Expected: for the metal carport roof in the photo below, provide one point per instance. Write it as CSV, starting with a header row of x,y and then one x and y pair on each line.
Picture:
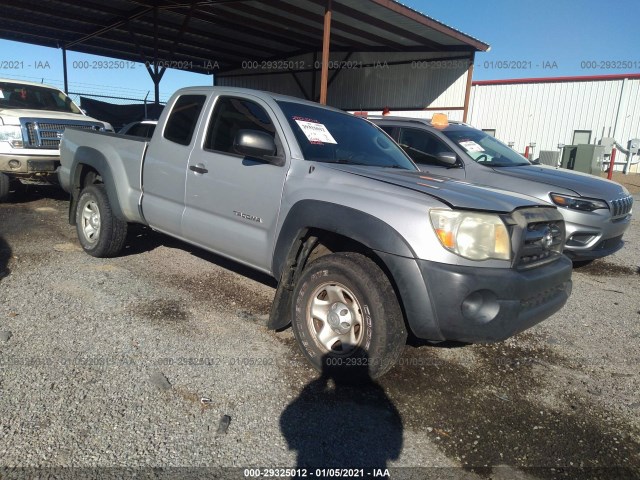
x,y
218,35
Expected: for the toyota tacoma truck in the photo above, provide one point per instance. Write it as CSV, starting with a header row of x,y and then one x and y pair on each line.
x,y
32,119
364,246
597,212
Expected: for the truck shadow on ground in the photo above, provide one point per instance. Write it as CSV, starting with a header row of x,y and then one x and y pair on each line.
x,y
30,193
141,239
494,408
342,420
5,257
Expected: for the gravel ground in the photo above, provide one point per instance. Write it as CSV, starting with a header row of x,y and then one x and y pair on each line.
x,y
160,358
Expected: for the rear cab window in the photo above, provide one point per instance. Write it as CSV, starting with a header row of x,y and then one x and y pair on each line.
x,y
183,118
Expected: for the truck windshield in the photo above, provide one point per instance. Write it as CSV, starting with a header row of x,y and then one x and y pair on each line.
x,y
336,137
485,149
32,97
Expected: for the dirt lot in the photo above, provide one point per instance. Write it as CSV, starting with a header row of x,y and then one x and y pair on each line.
x,y
631,181
135,362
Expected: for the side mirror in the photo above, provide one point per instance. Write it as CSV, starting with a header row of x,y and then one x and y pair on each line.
x,y
257,144
447,158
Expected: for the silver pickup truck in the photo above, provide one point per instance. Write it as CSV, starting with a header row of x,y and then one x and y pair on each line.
x,y
364,246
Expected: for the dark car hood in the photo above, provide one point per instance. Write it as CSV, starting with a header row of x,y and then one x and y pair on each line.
x,y
583,184
454,193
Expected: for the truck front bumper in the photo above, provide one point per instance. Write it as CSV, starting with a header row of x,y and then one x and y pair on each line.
x,y
488,305
476,304
28,164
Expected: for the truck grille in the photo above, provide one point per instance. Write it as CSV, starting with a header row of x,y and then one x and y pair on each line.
x,y
47,134
621,206
542,241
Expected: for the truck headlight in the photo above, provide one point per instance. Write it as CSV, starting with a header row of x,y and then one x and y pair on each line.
x,y
11,134
578,203
472,235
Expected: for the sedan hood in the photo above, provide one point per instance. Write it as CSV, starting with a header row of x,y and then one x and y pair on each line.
x,y
454,193
582,184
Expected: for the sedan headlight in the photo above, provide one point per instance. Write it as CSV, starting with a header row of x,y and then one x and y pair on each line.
x,y
472,235
578,203
11,134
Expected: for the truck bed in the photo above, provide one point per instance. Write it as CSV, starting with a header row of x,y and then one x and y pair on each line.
x,y
123,153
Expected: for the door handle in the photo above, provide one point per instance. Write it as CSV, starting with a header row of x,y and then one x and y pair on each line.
x,y
199,168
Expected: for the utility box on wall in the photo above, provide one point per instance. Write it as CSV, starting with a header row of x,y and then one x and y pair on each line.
x,y
549,157
583,158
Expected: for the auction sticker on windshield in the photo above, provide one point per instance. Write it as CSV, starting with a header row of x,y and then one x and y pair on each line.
x,y
471,146
315,132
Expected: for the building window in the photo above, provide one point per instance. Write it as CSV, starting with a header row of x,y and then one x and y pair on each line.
x,y
581,137
490,131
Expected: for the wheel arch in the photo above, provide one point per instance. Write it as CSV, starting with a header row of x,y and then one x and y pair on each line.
x,y
88,160
313,229
357,226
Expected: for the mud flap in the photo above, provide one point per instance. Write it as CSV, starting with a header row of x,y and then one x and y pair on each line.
x,y
280,314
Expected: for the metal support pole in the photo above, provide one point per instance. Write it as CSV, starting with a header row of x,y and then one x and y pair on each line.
x,y
326,40
64,70
467,92
156,77
612,161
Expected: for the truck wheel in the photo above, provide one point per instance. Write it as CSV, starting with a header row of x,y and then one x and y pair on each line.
x,y
5,187
100,232
346,316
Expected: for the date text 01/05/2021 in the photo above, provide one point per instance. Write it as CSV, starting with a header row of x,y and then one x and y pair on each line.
x,y
318,472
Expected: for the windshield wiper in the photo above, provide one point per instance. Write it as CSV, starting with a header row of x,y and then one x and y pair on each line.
x,y
503,164
346,161
395,165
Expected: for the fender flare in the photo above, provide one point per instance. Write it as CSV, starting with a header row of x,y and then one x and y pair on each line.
x,y
294,244
349,222
93,158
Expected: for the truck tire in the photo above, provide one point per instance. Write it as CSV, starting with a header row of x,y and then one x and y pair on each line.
x,y
5,187
100,232
346,317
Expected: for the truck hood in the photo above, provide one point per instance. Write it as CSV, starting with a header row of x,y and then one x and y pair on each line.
x,y
454,193
582,184
8,114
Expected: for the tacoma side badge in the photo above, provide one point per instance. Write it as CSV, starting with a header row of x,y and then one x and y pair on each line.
x,y
246,216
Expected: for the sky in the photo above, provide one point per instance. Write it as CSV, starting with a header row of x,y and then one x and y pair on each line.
x,y
528,38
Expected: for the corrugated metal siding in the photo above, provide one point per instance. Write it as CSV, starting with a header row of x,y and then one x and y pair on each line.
x,y
399,86
548,113
370,80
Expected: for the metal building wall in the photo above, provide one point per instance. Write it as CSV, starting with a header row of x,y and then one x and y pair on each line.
x,y
548,113
367,81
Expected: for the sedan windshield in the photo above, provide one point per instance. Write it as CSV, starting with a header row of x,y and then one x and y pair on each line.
x,y
484,148
334,137
32,97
